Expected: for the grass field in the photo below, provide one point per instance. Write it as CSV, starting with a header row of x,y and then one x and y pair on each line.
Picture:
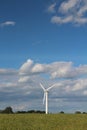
x,y
43,122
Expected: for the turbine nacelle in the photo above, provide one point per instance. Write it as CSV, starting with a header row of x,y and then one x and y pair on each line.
x,y
47,89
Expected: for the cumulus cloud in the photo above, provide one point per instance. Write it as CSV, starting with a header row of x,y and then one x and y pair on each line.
x,y
51,8
7,23
76,86
54,70
26,67
56,19
38,68
22,86
68,5
70,11
8,72
24,79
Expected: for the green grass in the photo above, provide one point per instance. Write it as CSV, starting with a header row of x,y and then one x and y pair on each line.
x,y
43,122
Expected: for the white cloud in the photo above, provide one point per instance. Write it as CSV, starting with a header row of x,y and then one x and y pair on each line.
x,y
70,11
79,84
59,69
62,20
38,68
82,11
26,67
51,8
21,87
7,23
85,92
54,70
8,72
70,5
80,21
24,79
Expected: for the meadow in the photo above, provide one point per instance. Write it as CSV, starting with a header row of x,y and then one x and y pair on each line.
x,y
43,122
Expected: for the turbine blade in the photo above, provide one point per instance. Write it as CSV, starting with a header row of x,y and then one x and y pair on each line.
x,y
42,87
51,87
44,98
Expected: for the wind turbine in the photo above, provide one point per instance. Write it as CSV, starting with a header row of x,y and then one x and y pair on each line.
x,y
46,96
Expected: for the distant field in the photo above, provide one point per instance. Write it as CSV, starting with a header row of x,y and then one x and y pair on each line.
x,y
43,122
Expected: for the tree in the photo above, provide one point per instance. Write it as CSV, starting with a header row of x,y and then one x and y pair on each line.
x,y
84,112
77,112
62,112
7,110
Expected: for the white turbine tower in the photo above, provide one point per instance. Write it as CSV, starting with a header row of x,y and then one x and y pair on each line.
x,y
46,96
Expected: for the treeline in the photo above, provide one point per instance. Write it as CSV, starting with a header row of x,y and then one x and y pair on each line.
x,y
76,112
9,110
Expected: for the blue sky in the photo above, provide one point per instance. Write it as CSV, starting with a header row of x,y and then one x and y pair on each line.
x,y
43,41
